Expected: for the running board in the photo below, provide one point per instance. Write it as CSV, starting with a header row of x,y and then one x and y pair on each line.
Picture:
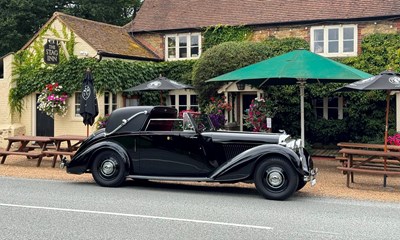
x,y
171,178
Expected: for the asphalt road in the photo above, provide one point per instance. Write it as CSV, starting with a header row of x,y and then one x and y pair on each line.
x,y
43,209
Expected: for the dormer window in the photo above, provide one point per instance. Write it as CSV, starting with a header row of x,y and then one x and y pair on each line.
x,y
182,46
334,41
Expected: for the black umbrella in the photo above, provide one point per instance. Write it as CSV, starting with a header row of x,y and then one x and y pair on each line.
x,y
387,80
88,107
159,84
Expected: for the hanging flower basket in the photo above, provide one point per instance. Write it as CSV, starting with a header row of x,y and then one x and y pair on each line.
x,y
53,100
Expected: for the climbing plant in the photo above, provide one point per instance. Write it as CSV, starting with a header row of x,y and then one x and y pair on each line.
x,y
218,34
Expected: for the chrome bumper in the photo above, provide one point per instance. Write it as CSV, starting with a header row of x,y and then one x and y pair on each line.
x,y
312,177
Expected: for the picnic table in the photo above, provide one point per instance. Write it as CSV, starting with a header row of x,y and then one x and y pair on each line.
x,y
26,150
72,144
370,159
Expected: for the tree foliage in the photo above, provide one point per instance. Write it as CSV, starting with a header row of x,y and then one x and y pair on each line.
x,y
21,19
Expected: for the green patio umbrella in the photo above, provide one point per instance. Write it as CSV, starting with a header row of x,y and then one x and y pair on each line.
x,y
295,67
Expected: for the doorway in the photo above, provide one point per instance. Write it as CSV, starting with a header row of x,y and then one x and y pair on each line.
x,y
44,123
246,101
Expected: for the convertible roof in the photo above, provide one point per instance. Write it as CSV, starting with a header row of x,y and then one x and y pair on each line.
x,y
138,122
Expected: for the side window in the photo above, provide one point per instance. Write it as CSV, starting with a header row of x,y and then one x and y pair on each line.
x,y
164,125
182,46
328,107
183,100
334,40
110,102
77,103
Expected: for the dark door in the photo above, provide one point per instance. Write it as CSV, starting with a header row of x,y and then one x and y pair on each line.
x,y
247,98
170,154
44,123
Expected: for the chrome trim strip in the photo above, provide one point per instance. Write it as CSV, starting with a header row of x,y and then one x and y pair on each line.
x,y
171,178
124,122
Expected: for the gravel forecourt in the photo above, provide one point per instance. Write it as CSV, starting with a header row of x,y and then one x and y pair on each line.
x,y
330,181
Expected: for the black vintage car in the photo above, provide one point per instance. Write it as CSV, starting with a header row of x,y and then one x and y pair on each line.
x,y
152,143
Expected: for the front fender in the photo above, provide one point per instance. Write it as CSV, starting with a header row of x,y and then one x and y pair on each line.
x,y
242,166
82,161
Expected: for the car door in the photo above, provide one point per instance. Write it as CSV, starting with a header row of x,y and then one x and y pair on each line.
x,y
172,153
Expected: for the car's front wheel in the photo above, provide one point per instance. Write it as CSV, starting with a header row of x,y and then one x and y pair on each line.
x,y
275,178
108,169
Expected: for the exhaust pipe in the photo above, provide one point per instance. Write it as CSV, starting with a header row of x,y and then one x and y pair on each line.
x,y
64,163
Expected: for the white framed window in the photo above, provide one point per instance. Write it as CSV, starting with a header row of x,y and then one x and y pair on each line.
x,y
77,103
328,107
334,41
182,102
182,46
110,102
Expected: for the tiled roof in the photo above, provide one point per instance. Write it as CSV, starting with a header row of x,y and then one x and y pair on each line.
x,y
156,15
109,39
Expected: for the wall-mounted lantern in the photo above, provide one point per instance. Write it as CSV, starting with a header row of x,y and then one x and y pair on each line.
x,y
240,86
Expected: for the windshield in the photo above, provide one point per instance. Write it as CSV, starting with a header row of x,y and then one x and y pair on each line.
x,y
196,121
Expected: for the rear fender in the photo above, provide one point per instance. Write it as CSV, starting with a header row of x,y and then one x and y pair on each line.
x,y
242,166
83,160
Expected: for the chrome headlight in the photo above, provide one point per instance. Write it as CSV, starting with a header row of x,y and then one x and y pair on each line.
x,y
295,145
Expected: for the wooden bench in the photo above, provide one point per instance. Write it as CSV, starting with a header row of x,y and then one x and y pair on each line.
x,y
38,155
370,161
373,162
55,154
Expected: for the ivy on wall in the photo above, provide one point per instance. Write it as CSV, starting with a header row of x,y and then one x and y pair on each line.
x,y
29,71
109,75
218,34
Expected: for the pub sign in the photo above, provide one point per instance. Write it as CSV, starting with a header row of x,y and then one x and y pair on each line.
x,y
51,52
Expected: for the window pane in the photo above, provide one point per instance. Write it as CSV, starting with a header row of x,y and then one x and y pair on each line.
x,y
171,52
194,52
319,35
183,52
348,46
172,100
318,47
333,113
193,100
319,103
77,103
333,47
106,97
320,112
182,100
333,102
333,34
348,33
182,41
171,42
194,40
194,44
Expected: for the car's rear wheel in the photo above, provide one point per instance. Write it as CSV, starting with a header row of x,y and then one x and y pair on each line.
x,y
275,178
108,169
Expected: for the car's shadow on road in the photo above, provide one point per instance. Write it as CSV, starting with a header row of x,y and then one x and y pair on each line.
x,y
237,189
